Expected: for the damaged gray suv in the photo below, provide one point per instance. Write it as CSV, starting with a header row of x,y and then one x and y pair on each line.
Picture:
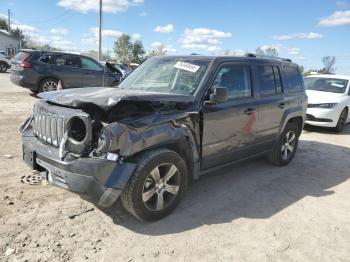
x,y
170,121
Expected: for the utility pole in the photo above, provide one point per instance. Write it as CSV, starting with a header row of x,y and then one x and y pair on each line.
x,y
9,20
100,35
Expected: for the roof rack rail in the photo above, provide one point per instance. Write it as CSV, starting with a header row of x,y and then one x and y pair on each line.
x,y
250,55
268,57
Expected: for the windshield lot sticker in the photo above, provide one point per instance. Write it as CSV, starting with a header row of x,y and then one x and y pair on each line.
x,y
187,66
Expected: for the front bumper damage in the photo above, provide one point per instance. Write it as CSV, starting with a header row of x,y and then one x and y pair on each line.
x,y
97,180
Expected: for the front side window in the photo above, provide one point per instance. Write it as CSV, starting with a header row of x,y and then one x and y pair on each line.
x,y
293,77
332,85
237,80
89,64
167,75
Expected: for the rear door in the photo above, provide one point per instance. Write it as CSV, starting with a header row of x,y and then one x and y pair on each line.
x,y
271,105
67,68
229,129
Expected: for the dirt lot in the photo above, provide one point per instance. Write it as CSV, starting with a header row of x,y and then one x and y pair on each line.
x,y
250,212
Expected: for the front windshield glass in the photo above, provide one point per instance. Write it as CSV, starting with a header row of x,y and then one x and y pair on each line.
x,y
167,75
332,85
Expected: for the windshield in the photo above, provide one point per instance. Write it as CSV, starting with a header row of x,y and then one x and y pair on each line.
x,y
332,85
167,75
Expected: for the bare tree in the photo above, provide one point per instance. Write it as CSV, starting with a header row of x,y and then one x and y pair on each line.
x,y
328,63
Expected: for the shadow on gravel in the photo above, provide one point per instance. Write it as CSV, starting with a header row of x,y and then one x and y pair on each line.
x,y
252,189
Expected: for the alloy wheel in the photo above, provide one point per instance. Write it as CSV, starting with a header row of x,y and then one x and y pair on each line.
x,y
49,86
288,145
161,187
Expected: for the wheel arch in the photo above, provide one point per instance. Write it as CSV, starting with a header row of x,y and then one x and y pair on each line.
x,y
42,79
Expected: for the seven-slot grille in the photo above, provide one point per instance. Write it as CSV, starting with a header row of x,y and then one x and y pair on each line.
x,y
48,127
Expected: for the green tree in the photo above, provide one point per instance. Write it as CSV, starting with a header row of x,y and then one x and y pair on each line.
x,y
3,24
137,52
19,35
259,51
159,51
271,51
123,48
328,65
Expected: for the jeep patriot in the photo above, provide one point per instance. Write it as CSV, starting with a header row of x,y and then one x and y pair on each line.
x,y
170,121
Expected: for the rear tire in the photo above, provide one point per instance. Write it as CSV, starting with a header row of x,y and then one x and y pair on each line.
x,y
157,185
286,146
48,84
342,120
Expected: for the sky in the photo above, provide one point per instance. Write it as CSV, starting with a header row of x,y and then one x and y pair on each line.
x,y
303,30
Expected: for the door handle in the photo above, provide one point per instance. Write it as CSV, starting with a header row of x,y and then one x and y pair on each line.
x,y
282,105
249,111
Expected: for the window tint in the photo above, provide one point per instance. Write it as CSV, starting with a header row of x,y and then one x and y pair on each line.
x,y
236,79
89,64
48,59
278,81
293,79
266,80
62,60
21,55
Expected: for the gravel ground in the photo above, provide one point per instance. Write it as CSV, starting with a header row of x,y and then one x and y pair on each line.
x,y
248,212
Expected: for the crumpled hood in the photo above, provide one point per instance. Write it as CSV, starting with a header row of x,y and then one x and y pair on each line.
x,y
107,97
319,97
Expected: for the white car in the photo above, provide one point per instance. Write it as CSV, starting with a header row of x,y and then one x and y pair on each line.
x,y
329,100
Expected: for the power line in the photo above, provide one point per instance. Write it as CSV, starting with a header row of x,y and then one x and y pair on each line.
x,y
60,15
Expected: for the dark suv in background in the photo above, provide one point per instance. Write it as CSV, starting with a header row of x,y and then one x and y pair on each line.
x,y
41,71
169,122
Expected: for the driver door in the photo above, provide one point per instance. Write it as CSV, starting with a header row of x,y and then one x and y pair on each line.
x,y
229,128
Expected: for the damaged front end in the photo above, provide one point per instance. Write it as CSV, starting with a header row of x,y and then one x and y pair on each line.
x,y
89,149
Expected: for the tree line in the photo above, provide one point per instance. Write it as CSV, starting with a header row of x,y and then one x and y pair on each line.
x,y
129,51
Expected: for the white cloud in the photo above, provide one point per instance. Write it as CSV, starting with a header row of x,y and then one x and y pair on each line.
x,y
169,49
203,38
92,37
283,50
164,29
88,41
136,36
336,19
143,14
25,28
156,44
309,36
60,31
109,6
214,48
106,33
56,38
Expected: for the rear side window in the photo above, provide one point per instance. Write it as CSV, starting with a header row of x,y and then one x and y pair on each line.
x,y
21,55
293,77
64,60
48,59
269,80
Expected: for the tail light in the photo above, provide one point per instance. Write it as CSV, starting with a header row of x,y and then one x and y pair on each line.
x,y
24,62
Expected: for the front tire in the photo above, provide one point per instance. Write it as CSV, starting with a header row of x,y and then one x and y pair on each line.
x,y
286,146
341,121
157,185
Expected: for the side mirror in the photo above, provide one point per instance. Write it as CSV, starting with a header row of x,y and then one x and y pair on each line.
x,y
219,95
